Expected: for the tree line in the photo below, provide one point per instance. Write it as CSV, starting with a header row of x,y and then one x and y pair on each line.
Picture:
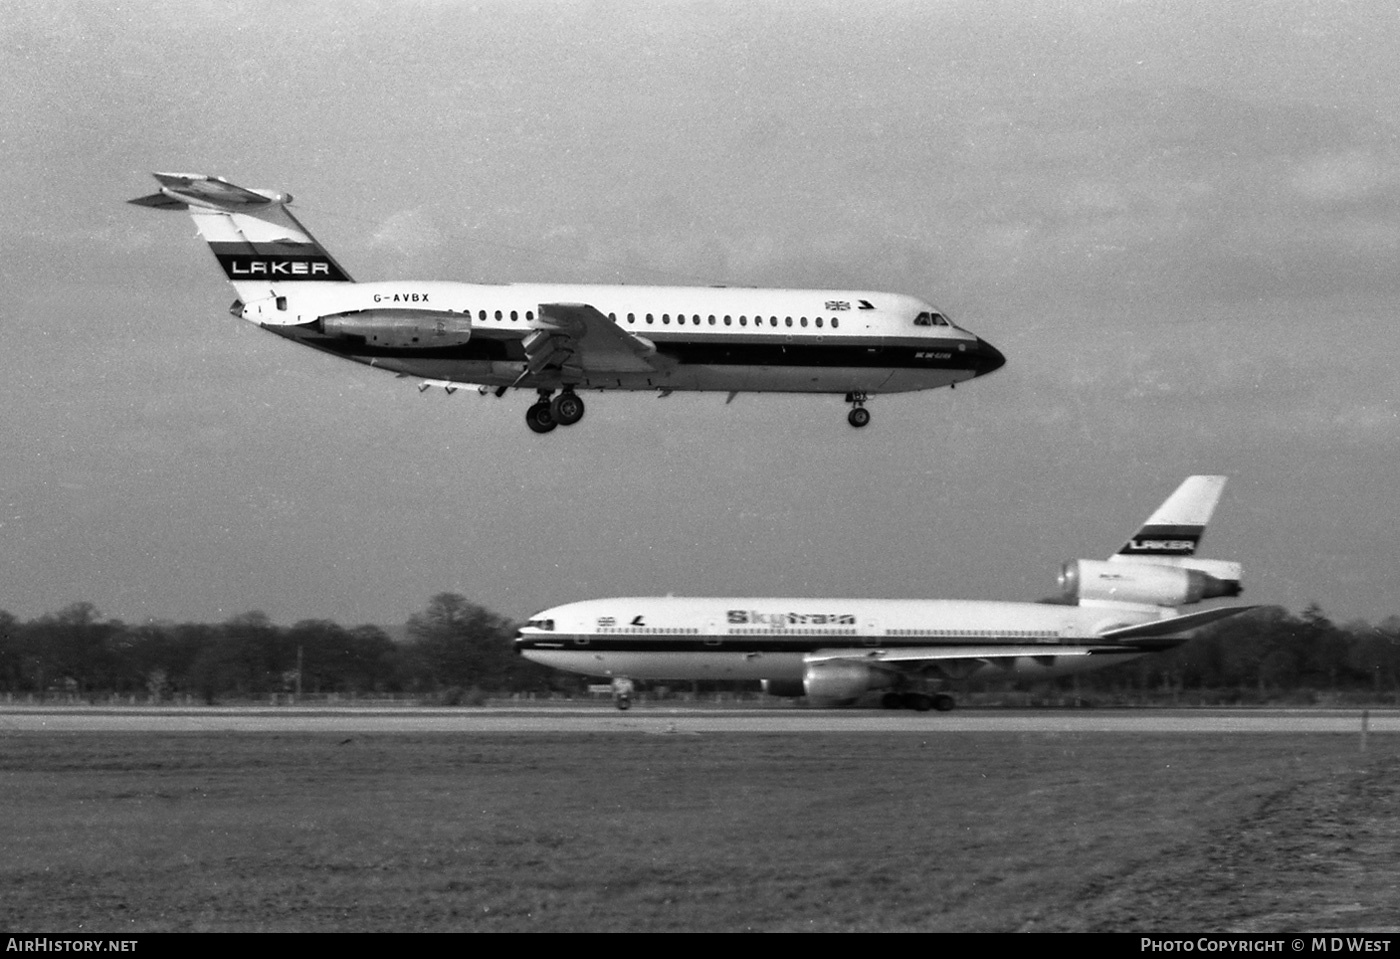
x,y
455,649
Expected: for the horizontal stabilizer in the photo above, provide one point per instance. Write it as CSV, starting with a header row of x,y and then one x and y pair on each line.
x,y
1175,626
180,191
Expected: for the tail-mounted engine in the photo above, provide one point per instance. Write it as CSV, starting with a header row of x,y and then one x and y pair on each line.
x,y
1148,583
404,329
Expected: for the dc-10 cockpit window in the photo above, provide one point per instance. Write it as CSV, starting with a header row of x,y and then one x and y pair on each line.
x,y
931,319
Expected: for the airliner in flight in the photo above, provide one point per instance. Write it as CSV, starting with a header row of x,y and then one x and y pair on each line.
x,y
558,339
835,651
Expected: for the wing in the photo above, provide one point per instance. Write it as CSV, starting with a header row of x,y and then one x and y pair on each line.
x,y
914,655
956,662
1175,626
577,339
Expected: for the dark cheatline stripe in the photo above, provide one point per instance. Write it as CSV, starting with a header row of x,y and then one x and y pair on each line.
x,y
488,346
1164,541
569,642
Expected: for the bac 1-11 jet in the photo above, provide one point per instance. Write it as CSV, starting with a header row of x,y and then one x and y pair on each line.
x,y
835,651
558,339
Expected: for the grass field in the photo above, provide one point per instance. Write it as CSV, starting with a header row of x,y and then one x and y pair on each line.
x,y
579,832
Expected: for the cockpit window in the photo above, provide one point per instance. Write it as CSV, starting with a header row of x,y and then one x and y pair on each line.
x,y
542,624
931,319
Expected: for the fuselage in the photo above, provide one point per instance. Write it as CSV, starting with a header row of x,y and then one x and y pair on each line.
x,y
678,638
708,338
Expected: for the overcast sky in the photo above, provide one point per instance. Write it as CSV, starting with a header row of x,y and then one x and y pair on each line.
x,y
1180,222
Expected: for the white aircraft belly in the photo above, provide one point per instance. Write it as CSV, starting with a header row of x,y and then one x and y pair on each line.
x,y
678,665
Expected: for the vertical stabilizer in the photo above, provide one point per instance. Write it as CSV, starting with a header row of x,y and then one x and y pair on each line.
x,y
253,235
1174,531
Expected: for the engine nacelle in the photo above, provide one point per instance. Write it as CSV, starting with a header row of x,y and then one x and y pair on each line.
x,y
1149,583
840,682
402,329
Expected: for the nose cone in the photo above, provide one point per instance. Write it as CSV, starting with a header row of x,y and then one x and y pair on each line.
x,y
986,358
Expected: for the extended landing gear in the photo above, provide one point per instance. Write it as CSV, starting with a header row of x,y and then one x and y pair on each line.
x,y
566,409
858,416
919,702
539,418
622,692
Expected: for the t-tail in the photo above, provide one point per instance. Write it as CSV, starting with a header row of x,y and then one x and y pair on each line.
x,y
1157,567
255,238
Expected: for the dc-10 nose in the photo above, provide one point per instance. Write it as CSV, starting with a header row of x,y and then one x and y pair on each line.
x,y
986,358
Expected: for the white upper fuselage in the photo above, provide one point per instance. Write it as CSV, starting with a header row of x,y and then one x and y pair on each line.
x,y
711,338
681,638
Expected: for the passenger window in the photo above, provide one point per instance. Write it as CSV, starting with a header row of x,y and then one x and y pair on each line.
x,y
498,314
514,316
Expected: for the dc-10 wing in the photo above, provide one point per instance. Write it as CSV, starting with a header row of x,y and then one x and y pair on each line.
x,y
577,339
913,656
1175,626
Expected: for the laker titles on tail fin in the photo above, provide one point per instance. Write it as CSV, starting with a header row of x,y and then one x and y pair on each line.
x,y
1157,567
255,238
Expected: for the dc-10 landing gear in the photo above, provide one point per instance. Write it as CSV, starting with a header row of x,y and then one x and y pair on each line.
x,y
566,409
622,692
919,702
859,415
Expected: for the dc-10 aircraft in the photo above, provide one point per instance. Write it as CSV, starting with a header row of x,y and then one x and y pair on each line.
x,y
835,651
560,338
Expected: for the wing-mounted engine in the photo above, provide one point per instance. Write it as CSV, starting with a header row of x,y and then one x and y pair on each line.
x,y
1151,584
841,682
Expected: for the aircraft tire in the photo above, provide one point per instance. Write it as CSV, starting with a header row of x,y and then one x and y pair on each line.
x,y
919,702
891,701
943,702
858,417
624,703
567,408
538,418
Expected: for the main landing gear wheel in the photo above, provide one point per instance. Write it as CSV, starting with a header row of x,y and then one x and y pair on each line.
x,y
539,418
567,408
859,415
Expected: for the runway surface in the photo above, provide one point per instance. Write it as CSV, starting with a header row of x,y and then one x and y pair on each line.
x,y
672,720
